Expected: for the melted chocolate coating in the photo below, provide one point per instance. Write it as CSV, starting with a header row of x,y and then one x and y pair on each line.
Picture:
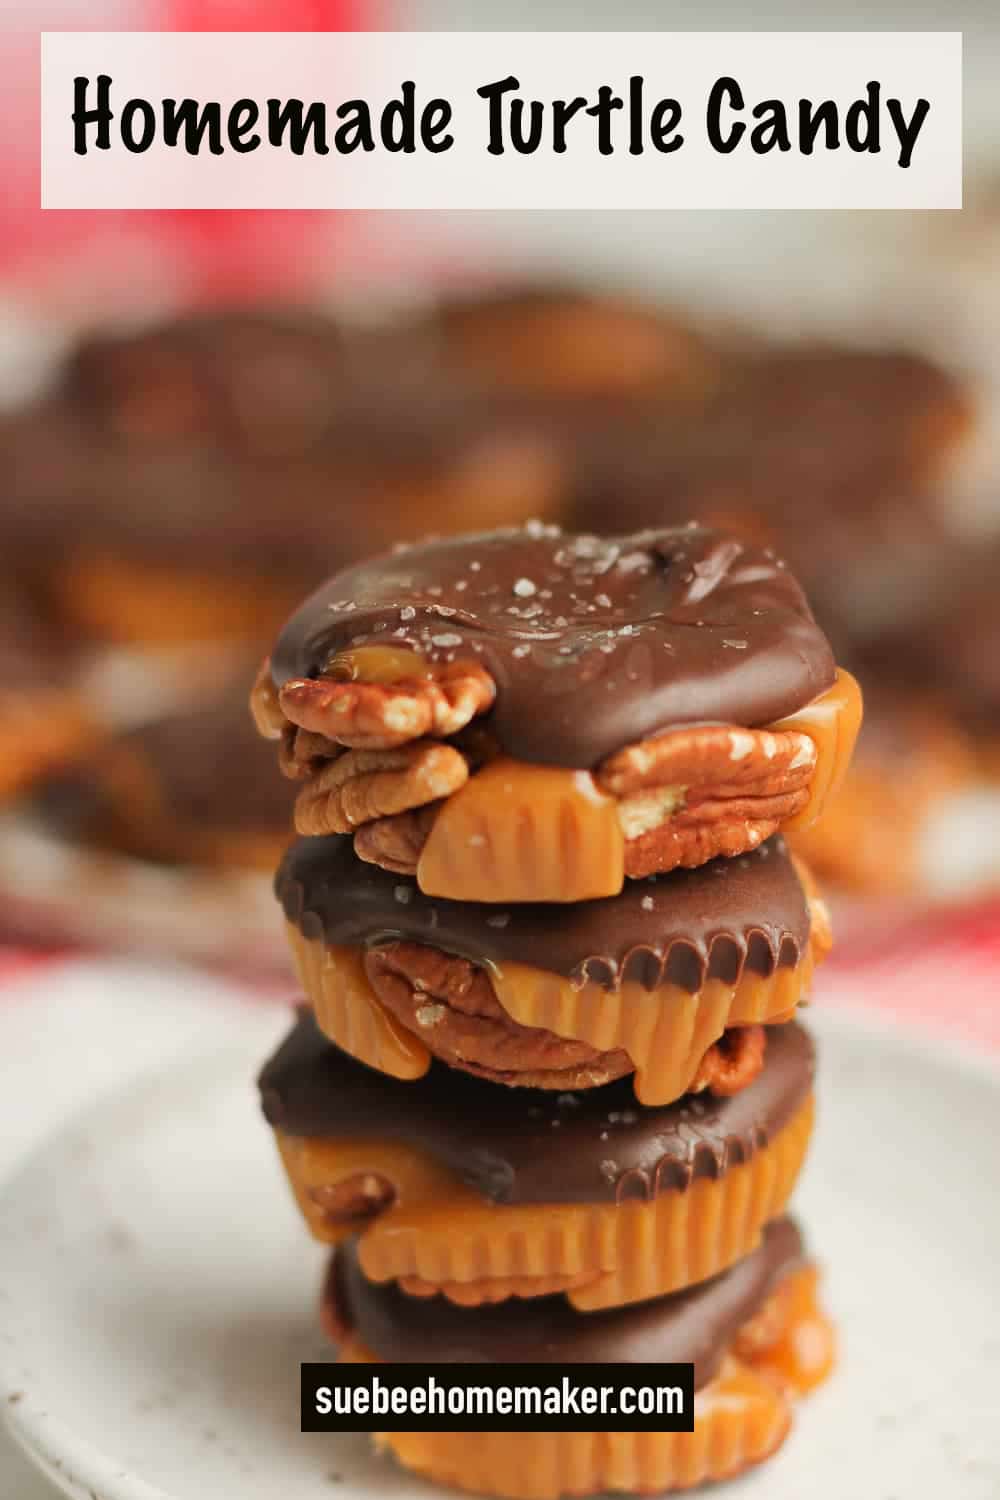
x,y
681,928
529,1145
694,1326
593,643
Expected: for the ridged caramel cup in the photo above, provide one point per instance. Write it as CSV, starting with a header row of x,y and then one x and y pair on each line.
x,y
434,1234
665,1032
742,1416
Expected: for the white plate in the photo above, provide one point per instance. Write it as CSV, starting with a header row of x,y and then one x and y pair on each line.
x,y
158,1291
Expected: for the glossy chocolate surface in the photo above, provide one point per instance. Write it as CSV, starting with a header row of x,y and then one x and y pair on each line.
x,y
697,1325
748,913
519,1145
593,643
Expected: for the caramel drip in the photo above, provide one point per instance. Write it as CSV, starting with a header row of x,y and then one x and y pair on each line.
x,y
348,1011
803,1350
440,1232
385,664
832,722
519,832
666,1032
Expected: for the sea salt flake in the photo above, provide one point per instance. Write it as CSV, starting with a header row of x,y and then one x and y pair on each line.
x,y
448,638
500,920
524,588
403,894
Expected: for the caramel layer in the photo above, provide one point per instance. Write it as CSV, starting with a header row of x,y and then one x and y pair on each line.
x,y
441,1233
384,664
741,1414
666,1031
741,1418
517,832
348,1011
832,722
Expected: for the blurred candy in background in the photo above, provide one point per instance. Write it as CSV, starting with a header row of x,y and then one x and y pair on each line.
x,y
204,414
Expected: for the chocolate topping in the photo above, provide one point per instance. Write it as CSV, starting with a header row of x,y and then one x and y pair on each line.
x,y
732,914
593,643
529,1145
694,1326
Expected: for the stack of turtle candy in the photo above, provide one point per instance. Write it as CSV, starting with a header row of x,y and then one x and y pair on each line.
x,y
548,1098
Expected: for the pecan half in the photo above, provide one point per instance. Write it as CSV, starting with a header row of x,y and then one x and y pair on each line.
x,y
395,843
690,795
451,1005
302,754
732,1062
380,716
362,785
738,788
355,1200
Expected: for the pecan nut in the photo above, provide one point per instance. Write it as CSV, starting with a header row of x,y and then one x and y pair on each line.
x,y
362,785
395,843
732,1062
355,1200
451,1005
380,716
301,753
693,794
683,799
